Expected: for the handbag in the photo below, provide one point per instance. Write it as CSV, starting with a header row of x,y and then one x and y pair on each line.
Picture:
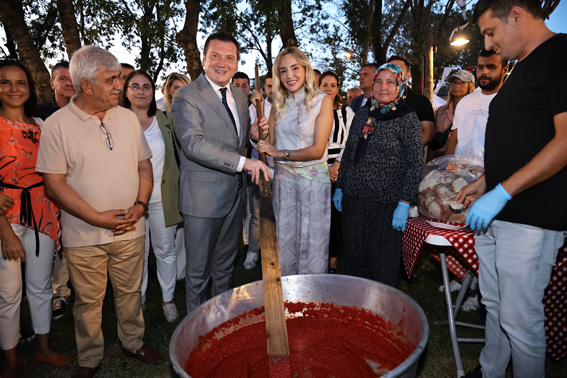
x,y
440,139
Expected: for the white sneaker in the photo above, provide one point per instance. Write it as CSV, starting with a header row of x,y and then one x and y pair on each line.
x,y
471,304
170,312
453,285
251,259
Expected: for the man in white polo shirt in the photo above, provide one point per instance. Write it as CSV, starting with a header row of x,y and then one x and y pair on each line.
x,y
96,164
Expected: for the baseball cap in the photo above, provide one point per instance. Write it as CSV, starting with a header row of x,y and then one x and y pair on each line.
x,y
462,75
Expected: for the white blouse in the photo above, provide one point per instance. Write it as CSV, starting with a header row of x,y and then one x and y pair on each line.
x,y
155,141
295,129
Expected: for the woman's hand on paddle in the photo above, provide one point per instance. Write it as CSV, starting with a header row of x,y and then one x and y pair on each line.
x,y
266,147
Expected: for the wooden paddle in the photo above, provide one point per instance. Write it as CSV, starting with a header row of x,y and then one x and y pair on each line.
x,y
274,310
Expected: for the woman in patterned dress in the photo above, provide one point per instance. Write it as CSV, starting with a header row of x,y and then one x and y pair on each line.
x,y
378,178
30,228
300,124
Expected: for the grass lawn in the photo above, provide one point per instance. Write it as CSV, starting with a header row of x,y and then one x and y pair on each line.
x,y
436,361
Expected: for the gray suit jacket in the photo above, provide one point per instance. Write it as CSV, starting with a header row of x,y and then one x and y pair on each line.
x,y
211,148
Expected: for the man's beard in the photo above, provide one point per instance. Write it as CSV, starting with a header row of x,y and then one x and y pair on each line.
x,y
491,85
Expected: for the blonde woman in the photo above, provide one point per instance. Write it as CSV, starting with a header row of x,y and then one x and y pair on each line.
x,y
300,124
172,84
461,83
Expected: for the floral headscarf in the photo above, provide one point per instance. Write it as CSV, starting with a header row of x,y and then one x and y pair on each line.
x,y
401,87
395,109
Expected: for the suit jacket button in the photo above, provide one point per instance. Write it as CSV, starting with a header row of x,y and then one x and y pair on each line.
x,y
163,182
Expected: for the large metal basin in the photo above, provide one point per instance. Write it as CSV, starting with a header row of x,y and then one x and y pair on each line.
x,y
390,303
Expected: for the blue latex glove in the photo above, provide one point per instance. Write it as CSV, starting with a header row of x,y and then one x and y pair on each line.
x,y
487,207
338,199
400,216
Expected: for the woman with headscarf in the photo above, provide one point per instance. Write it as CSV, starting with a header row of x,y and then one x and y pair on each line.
x,y
378,178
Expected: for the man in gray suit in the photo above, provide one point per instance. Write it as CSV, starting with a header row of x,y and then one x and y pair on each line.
x,y
212,123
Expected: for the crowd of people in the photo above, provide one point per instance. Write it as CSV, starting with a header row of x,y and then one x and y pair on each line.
x,y
94,180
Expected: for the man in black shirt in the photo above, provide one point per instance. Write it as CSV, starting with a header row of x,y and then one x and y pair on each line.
x,y
521,201
419,103
63,88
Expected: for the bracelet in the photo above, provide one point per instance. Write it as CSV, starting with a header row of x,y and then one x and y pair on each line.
x,y
143,204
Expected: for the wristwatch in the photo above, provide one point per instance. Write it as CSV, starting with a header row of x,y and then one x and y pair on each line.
x,y
287,154
143,204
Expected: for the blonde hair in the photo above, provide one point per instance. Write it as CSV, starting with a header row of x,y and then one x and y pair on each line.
x,y
170,79
281,92
451,99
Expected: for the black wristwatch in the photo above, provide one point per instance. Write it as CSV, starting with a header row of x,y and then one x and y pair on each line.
x,y
144,205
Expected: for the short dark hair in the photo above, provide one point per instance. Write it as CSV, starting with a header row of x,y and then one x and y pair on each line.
x,y
223,37
126,102
126,65
269,75
502,8
241,75
370,65
397,57
62,64
489,53
30,106
317,71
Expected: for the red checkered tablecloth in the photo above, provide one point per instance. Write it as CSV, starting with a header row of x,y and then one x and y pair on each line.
x,y
555,307
417,230
555,300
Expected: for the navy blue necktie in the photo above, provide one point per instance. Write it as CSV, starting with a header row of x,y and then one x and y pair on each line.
x,y
225,103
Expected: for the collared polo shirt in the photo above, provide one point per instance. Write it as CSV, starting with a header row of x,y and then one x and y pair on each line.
x,y
73,144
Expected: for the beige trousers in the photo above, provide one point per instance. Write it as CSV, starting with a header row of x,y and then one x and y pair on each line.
x,y
88,267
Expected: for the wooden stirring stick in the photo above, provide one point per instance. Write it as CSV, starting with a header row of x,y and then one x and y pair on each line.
x,y
274,310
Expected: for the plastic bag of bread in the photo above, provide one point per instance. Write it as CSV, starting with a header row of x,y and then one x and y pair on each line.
x,y
442,179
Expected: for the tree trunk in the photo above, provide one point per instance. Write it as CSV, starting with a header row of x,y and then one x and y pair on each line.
x,y
10,44
146,45
378,50
366,46
416,78
187,38
428,66
287,31
12,16
69,26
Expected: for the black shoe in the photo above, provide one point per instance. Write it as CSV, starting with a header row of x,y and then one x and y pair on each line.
x,y
59,307
333,271
27,336
476,373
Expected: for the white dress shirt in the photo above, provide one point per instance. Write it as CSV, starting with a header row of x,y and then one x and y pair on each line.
x,y
232,106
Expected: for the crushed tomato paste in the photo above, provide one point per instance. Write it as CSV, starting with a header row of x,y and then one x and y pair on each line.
x,y
324,341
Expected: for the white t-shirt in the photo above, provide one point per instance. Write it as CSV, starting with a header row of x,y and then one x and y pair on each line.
x,y
155,141
470,118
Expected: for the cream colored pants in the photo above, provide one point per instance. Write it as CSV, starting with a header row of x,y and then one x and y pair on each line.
x,y
89,266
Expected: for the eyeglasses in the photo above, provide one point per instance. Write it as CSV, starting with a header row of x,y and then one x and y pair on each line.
x,y
109,142
137,87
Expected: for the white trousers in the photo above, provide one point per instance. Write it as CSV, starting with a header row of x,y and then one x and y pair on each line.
x,y
38,287
163,243
180,251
